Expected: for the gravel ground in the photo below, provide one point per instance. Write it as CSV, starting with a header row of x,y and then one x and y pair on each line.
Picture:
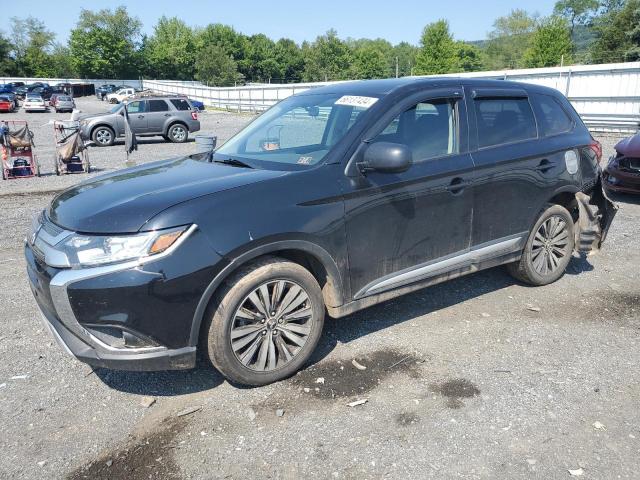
x,y
467,379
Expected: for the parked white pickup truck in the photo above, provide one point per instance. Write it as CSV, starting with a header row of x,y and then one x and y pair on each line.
x,y
120,95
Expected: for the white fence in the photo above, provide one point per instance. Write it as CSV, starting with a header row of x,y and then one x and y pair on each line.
x,y
606,96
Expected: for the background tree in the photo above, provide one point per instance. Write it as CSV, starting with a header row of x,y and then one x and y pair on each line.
x,y
550,44
509,39
289,56
469,57
170,52
32,47
369,62
216,67
406,55
7,63
618,38
577,12
438,52
105,44
327,58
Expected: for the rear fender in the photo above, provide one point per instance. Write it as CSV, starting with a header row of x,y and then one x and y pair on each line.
x,y
596,214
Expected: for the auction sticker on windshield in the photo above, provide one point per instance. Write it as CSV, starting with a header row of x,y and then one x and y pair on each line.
x,y
356,101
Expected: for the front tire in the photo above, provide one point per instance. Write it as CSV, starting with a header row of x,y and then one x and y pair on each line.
x,y
103,136
548,249
264,323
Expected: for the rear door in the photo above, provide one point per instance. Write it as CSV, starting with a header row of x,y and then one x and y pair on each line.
x,y
157,115
516,172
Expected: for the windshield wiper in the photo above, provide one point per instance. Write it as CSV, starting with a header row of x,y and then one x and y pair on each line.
x,y
233,162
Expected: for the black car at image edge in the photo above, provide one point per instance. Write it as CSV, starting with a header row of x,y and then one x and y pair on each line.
x,y
333,200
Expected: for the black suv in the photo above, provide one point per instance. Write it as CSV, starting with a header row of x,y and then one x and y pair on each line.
x,y
333,200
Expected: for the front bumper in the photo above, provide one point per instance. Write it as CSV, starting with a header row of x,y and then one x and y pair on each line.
x,y
621,181
151,307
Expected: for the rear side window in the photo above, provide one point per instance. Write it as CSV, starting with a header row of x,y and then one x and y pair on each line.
x,y
181,104
551,116
504,120
158,106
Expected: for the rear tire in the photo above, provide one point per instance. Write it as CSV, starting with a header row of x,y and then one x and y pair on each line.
x,y
272,338
178,133
548,249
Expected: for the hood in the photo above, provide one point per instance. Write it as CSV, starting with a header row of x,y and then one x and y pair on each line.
x,y
122,202
630,146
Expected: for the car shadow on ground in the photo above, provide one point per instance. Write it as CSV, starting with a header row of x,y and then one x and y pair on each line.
x,y
145,141
344,330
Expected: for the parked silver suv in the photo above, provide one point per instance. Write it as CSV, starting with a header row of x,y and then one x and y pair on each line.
x,y
171,117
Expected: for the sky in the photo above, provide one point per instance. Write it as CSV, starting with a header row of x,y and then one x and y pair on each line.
x,y
396,21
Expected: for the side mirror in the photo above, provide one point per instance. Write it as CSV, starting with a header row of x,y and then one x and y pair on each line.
x,y
386,157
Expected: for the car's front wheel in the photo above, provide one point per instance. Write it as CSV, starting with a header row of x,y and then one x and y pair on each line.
x,y
103,136
548,249
264,323
178,133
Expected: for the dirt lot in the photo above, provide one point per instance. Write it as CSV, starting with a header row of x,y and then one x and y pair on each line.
x,y
480,377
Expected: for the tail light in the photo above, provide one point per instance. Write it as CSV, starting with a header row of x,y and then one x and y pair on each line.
x,y
596,146
194,114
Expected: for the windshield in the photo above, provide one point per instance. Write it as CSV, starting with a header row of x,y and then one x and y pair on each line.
x,y
300,130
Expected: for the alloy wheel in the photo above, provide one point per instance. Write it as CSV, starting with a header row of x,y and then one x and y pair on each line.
x,y
178,133
271,325
550,245
103,136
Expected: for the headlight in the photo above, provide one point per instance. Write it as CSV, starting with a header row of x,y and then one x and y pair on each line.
x,y
91,250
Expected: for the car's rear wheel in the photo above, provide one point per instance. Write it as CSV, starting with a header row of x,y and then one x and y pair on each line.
x,y
103,136
264,323
548,249
178,133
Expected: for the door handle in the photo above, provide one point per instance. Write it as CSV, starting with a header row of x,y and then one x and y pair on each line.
x,y
140,116
167,114
545,165
457,185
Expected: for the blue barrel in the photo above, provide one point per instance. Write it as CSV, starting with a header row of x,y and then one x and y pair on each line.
x,y
205,143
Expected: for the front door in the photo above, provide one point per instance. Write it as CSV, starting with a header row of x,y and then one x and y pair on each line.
x,y
138,116
398,224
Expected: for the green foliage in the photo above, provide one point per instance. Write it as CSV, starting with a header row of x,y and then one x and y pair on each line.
x,y
215,66
105,44
438,52
170,52
577,12
550,44
32,47
469,57
327,58
7,63
406,55
509,40
618,34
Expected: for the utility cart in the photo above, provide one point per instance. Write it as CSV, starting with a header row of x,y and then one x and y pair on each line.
x,y
71,155
16,142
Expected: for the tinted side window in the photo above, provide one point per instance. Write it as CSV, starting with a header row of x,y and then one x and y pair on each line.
x,y
504,120
551,116
181,104
158,106
428,128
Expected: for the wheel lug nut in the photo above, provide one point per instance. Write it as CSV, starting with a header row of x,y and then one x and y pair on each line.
x,y
280,321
